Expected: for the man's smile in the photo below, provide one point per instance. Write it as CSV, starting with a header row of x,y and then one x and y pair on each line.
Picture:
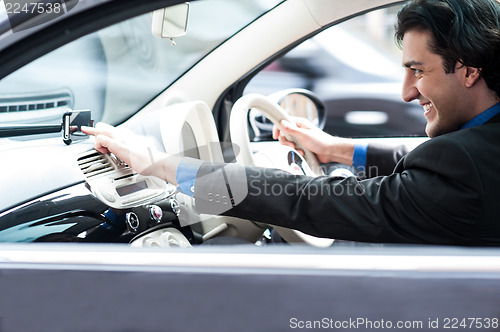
x,y
427,108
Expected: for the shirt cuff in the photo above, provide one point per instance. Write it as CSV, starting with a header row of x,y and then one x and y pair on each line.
x,y
186,175
359,156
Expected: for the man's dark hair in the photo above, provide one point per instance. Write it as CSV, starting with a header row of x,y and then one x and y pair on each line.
x,y
464,31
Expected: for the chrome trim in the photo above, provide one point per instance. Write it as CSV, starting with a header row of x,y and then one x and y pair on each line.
x,y
132,221
248,259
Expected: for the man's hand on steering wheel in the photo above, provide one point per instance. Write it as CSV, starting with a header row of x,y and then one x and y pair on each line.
x,y
326,147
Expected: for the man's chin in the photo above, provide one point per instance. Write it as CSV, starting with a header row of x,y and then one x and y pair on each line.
x,y
432,131
435,131
428,131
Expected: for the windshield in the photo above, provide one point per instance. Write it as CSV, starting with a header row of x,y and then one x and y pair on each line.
x,y
117,70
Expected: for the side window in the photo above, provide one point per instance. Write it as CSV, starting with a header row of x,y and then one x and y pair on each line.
x,y
355,69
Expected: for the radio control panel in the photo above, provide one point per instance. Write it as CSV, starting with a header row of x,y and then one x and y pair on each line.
x,y
115,184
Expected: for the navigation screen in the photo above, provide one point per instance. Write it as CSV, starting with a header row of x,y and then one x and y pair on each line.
x,y
131,188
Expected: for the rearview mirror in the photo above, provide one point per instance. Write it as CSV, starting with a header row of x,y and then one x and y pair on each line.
x,y
171,22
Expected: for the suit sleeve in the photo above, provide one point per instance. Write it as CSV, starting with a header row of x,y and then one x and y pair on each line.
x,y
432,198
382,159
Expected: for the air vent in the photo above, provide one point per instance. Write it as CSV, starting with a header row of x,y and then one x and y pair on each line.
x,y
26,103
94,163
115,184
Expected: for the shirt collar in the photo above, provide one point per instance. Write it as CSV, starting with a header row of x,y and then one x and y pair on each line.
x,y
483,117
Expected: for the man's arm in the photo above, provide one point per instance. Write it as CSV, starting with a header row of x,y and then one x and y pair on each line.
x,y
372,159
382,159
326,147
420,204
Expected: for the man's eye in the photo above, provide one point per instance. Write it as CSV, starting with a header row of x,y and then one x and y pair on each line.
x,y
416,72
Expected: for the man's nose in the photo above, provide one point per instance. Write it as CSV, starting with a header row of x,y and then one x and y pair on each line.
x,y
410,91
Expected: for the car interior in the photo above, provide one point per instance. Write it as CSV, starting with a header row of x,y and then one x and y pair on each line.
x,y
194,91
205,80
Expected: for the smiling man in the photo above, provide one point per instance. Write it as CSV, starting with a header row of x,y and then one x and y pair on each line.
x,y
450,93
446,191
449,99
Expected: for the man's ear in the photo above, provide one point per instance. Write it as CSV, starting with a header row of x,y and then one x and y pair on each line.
x,y
472,75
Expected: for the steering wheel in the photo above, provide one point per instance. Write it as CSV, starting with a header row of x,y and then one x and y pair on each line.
x,y
238,126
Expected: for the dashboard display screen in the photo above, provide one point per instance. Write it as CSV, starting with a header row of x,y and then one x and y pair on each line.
x,y
131,188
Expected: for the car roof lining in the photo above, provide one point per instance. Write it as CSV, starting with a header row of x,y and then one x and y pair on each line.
x,y
326,12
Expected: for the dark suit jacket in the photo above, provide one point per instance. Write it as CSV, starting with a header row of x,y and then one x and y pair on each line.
x,y
446,191
381,159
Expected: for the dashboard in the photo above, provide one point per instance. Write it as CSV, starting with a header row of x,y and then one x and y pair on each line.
x,y
53,192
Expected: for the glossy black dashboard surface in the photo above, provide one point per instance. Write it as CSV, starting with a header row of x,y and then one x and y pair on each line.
x,y
68,215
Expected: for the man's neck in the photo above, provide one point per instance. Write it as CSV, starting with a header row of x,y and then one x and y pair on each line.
x,y
481,99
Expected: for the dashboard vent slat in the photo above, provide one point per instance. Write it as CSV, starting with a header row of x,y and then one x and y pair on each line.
x,y
25,103
97,169
94,164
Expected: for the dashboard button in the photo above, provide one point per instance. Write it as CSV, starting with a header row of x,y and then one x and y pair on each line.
x,y
132,221
155,212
